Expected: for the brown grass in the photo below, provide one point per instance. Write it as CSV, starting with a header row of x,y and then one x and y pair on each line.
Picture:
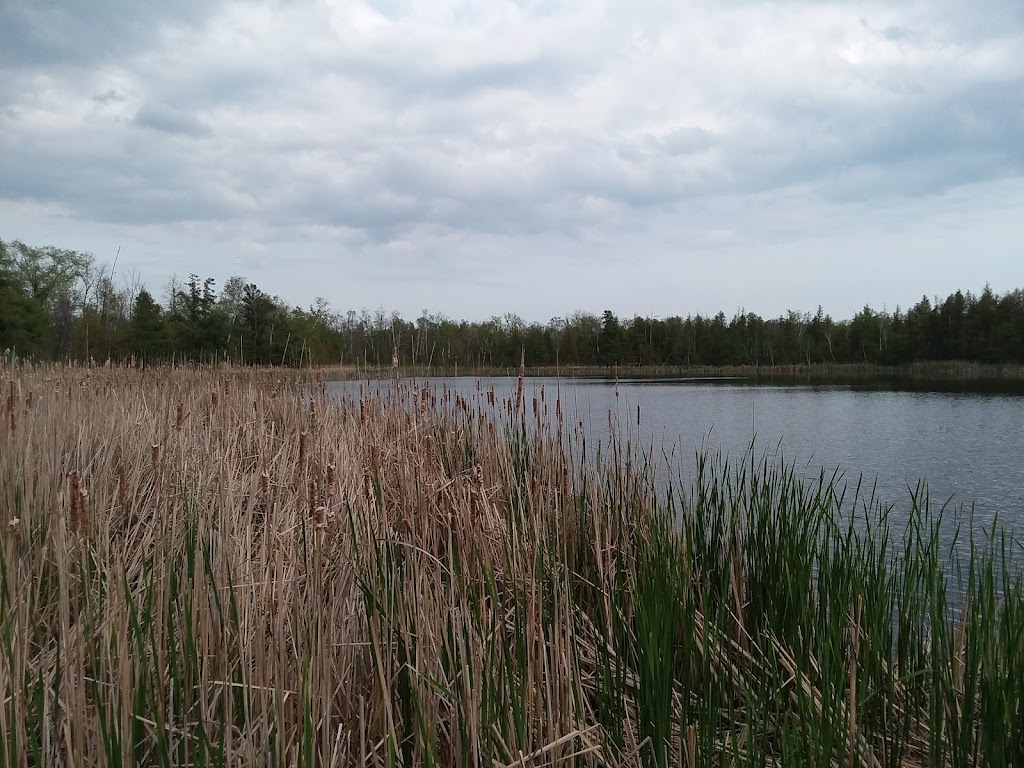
x,y
222,567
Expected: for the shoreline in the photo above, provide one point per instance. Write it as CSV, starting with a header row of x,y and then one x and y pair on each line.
x,y
926,373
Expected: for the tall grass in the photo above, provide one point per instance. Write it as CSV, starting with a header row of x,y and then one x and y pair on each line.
x,y
203,567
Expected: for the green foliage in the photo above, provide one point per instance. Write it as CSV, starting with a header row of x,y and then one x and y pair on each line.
x,y
147,332
23,322
56,304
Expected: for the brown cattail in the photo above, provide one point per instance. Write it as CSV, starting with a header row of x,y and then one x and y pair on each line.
x,y
83,511
265,484
302,451
10,409
320,517
122,490
312,414
213,399
367,486
179,418
154,455
77,499
314,494
522,375
331,477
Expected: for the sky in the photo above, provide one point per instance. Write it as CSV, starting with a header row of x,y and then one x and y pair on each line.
x,y
537,157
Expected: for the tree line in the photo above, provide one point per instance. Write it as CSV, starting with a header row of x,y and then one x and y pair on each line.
x,y
58,304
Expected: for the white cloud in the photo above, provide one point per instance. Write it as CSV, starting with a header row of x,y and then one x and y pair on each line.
x,y
525,157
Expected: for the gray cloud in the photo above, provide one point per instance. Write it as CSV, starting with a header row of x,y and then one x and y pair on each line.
x,y
161,117
49,34
453,139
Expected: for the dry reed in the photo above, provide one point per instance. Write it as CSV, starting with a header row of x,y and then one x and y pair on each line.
x,y
399,580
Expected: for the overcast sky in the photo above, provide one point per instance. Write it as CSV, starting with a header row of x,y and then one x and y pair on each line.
x,y
533,157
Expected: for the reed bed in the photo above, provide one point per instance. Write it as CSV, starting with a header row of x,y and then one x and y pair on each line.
x,y
926,372
218,567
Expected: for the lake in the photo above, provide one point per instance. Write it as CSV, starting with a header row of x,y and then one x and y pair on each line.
x,y
968,447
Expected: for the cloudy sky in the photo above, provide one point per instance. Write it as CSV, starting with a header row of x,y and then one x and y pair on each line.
x,y
535,157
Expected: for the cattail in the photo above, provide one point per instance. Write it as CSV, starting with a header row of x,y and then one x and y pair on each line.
x,y
314,494
82,525
330,481
154,454
179,418
78,501
10,409
122,490
320,517
74,480
213,399
367,486
302,451
522,375
265,485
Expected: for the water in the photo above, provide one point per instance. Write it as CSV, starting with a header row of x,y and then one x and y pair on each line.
x,y
967,447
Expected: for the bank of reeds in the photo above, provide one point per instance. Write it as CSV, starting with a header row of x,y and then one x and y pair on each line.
x,y
957,373
212,567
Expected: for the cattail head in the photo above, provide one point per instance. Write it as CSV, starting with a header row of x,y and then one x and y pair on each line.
x,y
312,414
367,486
320,517
522,375
119,478
265,484
154,455
314,494
79,500
302,450
330,480
12,418
179,418
213,399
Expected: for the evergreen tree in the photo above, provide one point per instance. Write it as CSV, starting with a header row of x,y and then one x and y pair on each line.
x,y
148,336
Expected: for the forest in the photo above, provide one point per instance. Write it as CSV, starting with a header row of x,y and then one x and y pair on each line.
x,y
61,305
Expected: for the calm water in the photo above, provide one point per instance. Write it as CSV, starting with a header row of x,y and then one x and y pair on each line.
x,y
969,448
